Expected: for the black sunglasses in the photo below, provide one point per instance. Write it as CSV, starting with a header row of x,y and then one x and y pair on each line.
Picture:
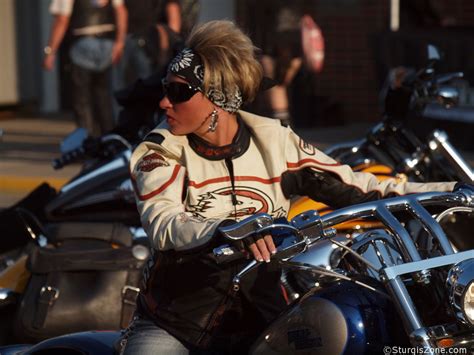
x,y
178,92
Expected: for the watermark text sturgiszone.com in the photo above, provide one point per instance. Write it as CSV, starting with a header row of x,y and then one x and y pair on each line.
x,y
404,350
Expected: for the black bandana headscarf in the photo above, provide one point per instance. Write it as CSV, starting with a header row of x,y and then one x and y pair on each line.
x,y
188,66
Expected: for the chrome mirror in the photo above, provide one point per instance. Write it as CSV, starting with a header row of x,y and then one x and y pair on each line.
x,y
7,297
448,96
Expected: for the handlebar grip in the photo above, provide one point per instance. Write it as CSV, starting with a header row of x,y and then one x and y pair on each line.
x,y
68,158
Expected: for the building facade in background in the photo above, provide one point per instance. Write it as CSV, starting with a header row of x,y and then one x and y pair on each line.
x,y
359,49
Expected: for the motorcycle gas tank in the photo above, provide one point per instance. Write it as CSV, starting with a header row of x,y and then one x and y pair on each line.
x,y
92,343
343,318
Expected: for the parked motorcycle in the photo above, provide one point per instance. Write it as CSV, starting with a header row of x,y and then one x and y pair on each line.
x,y
366,286
101,191
399,141
95,211
398,146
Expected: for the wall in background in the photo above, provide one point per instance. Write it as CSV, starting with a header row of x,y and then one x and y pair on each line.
x,y
359,51
8,58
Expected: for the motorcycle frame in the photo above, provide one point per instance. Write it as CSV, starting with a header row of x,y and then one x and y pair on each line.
x,y
311,228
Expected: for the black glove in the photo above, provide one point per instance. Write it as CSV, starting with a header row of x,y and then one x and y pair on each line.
x,y
463,185
243,244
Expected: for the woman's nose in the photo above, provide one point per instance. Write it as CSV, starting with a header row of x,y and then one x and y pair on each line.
x,y
165,103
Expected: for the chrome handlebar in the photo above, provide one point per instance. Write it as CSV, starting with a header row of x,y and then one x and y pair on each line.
x,y
309,227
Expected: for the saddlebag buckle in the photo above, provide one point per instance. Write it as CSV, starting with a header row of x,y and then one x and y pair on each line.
x,y
129,302
47,296
129,294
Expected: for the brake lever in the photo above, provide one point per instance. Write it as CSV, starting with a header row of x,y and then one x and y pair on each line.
x,y
236,280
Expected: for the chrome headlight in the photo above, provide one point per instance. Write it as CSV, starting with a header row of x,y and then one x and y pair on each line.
x,y
460,284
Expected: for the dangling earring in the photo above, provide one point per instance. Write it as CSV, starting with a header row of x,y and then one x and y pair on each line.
x,y
213,123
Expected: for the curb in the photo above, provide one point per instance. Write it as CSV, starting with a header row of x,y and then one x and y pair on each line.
x,y
27,183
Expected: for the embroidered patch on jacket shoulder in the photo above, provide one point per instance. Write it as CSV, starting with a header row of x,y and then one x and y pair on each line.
x,y
152,161
307,148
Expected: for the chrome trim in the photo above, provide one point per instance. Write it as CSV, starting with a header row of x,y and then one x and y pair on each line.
x,y
431,335
118,138
421,338
311,234
380,249
272,227
356,255
247,227
368,209
440,143
459,278
393,272
325,272
336,149
236,280
140,252
404,304
7,296
420,269
309,224
431,226
319,253
405,243
452,210
119,162
468,195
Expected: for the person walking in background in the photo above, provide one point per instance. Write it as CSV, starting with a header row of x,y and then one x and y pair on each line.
x,y
169,30
291,42
154,28
97,29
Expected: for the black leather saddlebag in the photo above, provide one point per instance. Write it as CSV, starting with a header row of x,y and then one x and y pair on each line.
x,y
80,283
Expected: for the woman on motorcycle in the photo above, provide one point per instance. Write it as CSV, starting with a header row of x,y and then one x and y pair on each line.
x,y
209,165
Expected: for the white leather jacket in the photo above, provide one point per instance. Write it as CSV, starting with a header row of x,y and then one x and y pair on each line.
x,y
185,188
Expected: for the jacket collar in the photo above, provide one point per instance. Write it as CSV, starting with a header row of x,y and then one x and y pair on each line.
x,y
239,145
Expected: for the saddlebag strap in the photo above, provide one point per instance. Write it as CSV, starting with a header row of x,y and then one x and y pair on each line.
x,y
116,233
129,297
46,299
44,261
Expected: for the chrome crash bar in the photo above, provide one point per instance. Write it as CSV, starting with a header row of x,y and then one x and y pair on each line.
x,y
415,205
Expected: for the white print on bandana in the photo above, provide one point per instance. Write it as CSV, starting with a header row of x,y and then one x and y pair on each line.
x,y
182,60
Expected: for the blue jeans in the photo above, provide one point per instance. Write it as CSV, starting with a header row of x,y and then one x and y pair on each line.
x,y
134,59
145,337
91,101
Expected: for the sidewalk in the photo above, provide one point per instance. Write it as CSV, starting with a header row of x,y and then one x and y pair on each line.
x,y
27,147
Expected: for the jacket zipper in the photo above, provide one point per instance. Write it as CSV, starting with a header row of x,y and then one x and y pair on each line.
x,y
230,167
